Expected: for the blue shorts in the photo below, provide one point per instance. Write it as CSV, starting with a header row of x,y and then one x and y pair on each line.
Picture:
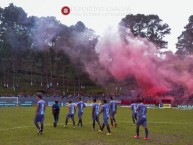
x,y
39,118
112,114
134,115
95,117
80,115
142,121
105,120
70,116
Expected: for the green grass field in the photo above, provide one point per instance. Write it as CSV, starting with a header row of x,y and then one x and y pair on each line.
x,y
166,126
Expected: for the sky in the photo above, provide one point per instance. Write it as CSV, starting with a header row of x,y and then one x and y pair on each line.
x,y
101,15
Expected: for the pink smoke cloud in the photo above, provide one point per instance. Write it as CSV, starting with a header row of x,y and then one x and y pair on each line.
x,y
139,58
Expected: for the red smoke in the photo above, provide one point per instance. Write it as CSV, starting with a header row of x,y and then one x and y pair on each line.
x,y
155,74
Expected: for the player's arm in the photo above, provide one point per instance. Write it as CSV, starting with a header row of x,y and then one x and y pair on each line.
x,y
131,108
76,106
44,107
101,111
37,108
74,109
93,110
110,105
138,108
52,109
58,107
115,107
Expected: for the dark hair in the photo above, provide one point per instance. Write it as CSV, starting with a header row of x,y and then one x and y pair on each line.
x,y
94,100
139,101
70,101
79,98
56,101
39,95
111,98
105,101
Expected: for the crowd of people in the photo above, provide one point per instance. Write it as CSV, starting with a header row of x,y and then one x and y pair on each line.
x,y
108,111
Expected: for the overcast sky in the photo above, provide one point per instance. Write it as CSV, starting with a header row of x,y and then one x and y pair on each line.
x,y
102,14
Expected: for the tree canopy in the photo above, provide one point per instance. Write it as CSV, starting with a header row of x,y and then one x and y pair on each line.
x,y
184,45
37,51
145,26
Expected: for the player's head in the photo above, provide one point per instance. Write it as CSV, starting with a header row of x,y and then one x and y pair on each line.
x,y
39,96
56,101
139,101
133,101
69,102
94,100
104,101
79,98
111,98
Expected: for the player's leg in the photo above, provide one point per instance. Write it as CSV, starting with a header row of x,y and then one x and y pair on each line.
x,y
115,123
54,120
93,124
135,114
102,127
42,123
93,121
111,122
139,122
73,121
107,125
137,130
146,134
111,117
57,118
133,118
37,125
36,120
42,128
97,120
79,118
66,121
146,129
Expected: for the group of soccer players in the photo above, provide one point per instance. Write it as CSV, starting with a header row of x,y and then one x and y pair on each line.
x,y
72,110
108,110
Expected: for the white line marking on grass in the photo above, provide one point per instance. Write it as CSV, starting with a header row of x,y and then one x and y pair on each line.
x,y
21,127
169,123
157,122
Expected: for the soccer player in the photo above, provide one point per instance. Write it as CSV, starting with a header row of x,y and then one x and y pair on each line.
x,y
141,119
80,106
113,111
39,114
95,113
134,112
105,110
72,111
55,112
